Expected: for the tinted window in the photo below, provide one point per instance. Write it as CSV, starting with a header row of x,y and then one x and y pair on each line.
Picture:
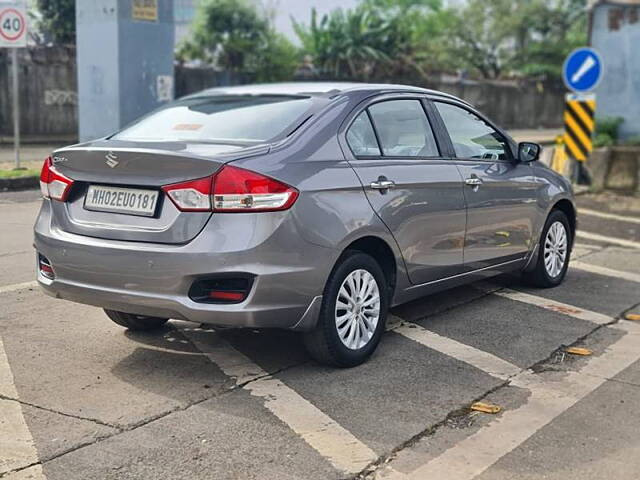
x,y
221,117
403,129
361,137
471,136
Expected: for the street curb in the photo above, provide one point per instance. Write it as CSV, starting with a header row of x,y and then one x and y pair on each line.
x,y
20,183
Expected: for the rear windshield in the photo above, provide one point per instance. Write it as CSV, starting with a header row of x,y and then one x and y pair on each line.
x,y
238,118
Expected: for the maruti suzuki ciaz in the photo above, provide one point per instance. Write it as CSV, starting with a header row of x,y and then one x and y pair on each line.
x,y
313,207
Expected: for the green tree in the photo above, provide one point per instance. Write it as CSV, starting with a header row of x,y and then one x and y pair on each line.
x,y
553,28
483,36
498,37
56,20
234,35
377,38
345,42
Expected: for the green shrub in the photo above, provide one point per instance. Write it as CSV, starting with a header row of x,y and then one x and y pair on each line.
x,y
602,140
608,126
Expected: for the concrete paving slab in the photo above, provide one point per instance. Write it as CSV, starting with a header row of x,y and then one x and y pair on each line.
x,y
597,438
227,438
17,267
74,360
272,350
402,390
23,196
616,258
16,221
611,202
599,293
55,434
433,304
514,331
610,228
456,428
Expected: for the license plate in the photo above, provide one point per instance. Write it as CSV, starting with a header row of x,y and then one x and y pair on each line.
x,y
131,201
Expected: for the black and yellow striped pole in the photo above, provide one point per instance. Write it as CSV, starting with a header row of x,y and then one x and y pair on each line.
x,y
579,124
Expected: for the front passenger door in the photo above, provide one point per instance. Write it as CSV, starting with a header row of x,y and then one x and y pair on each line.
x,y
500,192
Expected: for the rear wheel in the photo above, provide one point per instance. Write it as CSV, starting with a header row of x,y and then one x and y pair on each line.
x,y
353,313
554,251
135,322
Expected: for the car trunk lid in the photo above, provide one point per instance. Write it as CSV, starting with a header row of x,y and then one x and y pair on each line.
x,y
145,167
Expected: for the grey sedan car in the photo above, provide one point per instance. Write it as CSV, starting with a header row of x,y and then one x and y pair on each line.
x,y
313,207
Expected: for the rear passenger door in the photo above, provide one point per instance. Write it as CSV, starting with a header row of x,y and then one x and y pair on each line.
x,y
415,192
500,192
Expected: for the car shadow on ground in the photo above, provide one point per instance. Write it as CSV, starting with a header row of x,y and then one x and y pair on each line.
x,y
167,363
166,356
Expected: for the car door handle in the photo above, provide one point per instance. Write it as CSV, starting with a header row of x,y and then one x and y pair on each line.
x,y
473,181
382,184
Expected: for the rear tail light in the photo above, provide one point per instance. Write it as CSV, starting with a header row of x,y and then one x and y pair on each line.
x,y
52,183
239,190
232,189
191,196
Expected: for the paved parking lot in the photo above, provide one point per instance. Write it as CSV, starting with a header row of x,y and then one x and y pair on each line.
x,y
82,398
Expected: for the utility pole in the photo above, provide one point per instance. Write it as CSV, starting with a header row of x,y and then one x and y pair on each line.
x,y
15,88
13,35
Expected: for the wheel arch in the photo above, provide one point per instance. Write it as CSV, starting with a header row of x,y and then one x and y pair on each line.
x,y
381,252
567,207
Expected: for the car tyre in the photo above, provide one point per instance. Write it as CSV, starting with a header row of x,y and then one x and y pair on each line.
x,y
348,332
555,243
136,322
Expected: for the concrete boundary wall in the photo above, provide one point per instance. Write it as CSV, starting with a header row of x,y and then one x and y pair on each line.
x,y
48,95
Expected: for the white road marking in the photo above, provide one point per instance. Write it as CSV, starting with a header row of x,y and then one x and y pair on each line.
x,y
17,449
484,361
342,449
548,399
609,272
18,286
596,237
582,249
608,216
554,306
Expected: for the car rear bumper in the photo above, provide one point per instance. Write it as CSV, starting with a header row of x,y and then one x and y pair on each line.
x,y
154,279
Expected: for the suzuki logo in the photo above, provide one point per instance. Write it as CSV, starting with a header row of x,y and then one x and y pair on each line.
x,y
112,159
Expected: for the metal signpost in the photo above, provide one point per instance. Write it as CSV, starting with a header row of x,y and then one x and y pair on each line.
x,y
13,35
581,73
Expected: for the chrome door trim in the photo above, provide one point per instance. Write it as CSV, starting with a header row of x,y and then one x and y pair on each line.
x,y
461,275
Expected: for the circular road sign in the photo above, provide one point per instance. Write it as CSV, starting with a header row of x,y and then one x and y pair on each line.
x,y
12,25
582,70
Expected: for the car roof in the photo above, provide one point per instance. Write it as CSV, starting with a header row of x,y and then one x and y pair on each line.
x,y
319,88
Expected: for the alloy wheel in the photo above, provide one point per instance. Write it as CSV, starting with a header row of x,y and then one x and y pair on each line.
x,y
555,249
357,309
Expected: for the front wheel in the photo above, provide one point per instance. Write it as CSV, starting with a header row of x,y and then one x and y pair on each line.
x,y
353,313
135,322
554,251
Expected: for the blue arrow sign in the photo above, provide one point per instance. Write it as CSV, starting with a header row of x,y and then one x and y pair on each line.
x,y
582,70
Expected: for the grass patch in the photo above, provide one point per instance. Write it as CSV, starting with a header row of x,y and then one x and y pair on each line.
x,y
29,172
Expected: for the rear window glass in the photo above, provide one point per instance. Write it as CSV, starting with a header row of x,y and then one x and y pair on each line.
x,y
239,118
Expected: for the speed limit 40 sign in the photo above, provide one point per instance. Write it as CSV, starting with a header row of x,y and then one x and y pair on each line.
x,y
13,25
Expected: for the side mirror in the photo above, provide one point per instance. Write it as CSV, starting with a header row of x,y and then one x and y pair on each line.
x,y
528,152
